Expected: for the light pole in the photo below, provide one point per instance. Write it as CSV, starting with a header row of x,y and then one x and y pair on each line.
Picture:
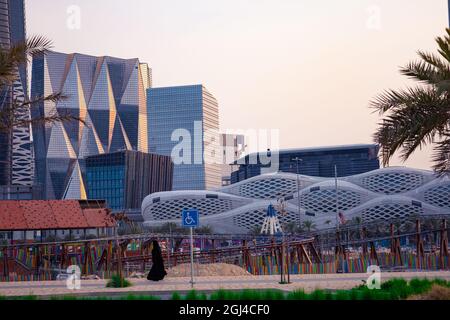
x,y
297,160
336,197
338,235
285,261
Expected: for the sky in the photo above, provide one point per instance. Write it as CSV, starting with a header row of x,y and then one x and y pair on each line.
x,y
308,68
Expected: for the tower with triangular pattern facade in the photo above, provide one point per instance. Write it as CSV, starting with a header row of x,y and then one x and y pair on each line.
x,y
108,94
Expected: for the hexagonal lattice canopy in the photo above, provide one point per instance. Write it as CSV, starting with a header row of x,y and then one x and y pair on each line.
x,y
324,201
438,196
393,182
171,209
255,218
390,211
271,188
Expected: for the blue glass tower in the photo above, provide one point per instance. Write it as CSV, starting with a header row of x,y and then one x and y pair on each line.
x,y
194,111
125,178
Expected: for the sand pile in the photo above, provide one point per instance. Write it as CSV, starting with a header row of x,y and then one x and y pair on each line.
x,y
205,270
436,293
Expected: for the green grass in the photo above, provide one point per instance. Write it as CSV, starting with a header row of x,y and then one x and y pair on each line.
x,y
117,281
395,289
129,297
29,297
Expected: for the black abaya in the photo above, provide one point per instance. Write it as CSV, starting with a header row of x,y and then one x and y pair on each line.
x,y
157,272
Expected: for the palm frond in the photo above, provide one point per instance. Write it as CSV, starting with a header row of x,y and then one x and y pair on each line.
x,y
433,60
421,71
11,115
38,45
443,43
18,54
395,99
53,117
441,155
412,119
55,97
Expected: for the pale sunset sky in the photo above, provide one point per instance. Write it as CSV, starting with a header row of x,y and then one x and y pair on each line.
x,y
306,67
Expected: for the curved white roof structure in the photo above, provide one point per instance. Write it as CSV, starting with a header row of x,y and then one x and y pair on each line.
x,y
383,194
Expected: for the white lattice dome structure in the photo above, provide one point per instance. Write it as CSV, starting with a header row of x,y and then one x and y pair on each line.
x,y
383,194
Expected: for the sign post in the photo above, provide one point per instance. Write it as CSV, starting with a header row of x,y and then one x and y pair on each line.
x,y
190,219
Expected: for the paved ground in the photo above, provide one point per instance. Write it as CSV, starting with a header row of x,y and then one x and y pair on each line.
x,y
206,284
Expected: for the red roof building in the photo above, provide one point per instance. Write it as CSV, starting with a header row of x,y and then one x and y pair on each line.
x,y
51,215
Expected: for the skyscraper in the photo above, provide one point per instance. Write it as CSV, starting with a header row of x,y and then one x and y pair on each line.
x,y
13,31
125,178
108,94
184,124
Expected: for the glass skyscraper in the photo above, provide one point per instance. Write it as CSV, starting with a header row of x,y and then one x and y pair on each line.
x,y
108,93
125,178
187,115
20,161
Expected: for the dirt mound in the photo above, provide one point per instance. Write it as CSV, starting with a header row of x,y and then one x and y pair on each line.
x,y
205,270
436,293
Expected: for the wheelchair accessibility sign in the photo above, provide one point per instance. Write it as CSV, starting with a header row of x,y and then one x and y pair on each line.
x,y
190,218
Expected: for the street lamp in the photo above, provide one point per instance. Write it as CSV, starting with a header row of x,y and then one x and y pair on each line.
x,y
285,261
297,160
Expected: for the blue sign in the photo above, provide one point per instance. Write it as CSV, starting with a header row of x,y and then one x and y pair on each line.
x,y
190,218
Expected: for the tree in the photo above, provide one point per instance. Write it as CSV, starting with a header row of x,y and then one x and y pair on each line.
x,y
255,231
170,228
291,228
204,230
309,226
419,115
12,111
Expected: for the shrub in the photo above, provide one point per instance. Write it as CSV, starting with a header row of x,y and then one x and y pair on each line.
x,y
118,281
317,295
194,295
140,297
297,295
221,295
176,296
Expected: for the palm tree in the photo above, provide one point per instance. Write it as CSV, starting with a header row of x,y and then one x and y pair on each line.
x,y
205,230
291,228
12,111
308,225
419,115
255,231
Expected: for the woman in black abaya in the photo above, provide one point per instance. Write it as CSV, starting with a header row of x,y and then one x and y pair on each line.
x,y
157,271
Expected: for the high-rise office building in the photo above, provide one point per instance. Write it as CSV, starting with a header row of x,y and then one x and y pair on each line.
x,y
125,178
108,94
183,122
20,160
316,162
